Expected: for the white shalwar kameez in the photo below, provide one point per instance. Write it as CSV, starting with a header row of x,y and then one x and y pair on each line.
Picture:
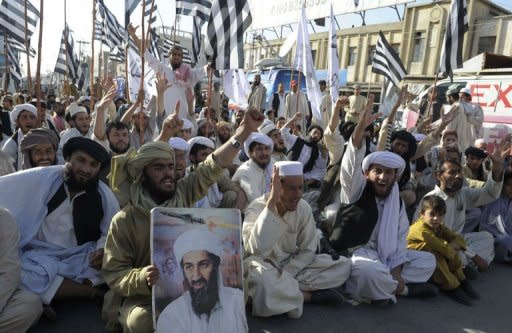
x,y
370,278
280,259
254,180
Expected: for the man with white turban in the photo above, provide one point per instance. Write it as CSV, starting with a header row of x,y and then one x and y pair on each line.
x,y
280,240
80,122
143,180
206,306
24,116
254,175
269,129
382,267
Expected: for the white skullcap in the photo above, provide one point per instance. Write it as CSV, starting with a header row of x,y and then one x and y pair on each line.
x,y
480,141
178,144
19,109
187,124
83,99
259,138
289,168
201,140
466,91
197,239
386,159
266,127
74,109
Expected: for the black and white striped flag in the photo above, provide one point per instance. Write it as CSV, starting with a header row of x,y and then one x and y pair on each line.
x,y
168,44
114,32
148,13
20,47
12,19
387,62
228,21
69,65
457,25
129,8
200,10
14,65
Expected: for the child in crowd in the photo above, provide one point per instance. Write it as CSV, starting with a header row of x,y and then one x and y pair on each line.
x,y
429,234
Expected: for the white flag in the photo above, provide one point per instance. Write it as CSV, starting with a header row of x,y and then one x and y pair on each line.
x,y
134,72
236,87
333,68
304,63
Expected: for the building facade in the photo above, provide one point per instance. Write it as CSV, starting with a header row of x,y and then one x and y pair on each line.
x,y
418,39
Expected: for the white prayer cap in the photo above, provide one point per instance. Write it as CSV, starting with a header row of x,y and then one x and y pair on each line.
x,y
480,141
259,138
197,239
386,159
201,140
74,109
178,143
19,109
289,168
187,124
466,91
266,127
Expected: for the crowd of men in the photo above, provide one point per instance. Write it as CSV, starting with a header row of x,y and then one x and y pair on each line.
x,y
333,208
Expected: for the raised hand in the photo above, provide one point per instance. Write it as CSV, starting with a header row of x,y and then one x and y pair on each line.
x,y
341,102
251,121
152,275
108,98
161,83
367,117
171,126
275,189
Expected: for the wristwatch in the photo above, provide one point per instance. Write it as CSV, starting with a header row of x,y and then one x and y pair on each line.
x,y
235,143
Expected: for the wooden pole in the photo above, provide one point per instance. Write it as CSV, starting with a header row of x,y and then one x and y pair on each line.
x,y
431,99
142,49
7,69
127,88
66,38
27,48
40,43
91,71
149,22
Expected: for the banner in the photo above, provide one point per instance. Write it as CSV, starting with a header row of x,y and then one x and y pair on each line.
x,y
266,14
134,73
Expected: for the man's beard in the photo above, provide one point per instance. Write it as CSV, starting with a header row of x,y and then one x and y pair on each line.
x,y
224,138
454,187
205,298
175,66
118,151
77,186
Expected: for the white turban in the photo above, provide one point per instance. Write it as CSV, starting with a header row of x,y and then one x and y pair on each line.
x,y
289,168
201,140
187,124
266,127
259,138
386,159
178,143
197,239
19,109
74,109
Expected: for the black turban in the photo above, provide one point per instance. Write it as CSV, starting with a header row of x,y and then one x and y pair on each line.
x,y
473,151
90,147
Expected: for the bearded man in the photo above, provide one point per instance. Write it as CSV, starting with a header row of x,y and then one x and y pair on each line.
x,y
206,305
39,148
63,230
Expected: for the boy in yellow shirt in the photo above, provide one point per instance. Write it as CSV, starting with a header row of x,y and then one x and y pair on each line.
x,y
429,234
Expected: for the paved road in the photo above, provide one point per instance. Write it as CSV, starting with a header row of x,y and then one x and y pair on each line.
x,y
492,314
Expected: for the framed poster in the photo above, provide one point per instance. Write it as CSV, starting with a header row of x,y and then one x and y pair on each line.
x,y
198,253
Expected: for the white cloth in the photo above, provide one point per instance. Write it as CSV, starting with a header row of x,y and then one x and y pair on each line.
x,y
259,138
20,108
258,97
43,262
228,315
281,262
202,141
65,136
13,149
197,239
325,109
468,119
254,180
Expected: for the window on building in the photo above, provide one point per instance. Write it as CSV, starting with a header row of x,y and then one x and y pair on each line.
x,y
313,55
351,56
419,47
371,54
486,44
396,47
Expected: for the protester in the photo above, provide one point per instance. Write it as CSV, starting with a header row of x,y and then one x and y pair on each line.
x,y
39,148
258,95
356,105
279,101
24,117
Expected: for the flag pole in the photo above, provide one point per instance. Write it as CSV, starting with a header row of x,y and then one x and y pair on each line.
x,y
127,88
150,19
7,67
142,48
91,70
38,70
66,32
27,47
431,98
